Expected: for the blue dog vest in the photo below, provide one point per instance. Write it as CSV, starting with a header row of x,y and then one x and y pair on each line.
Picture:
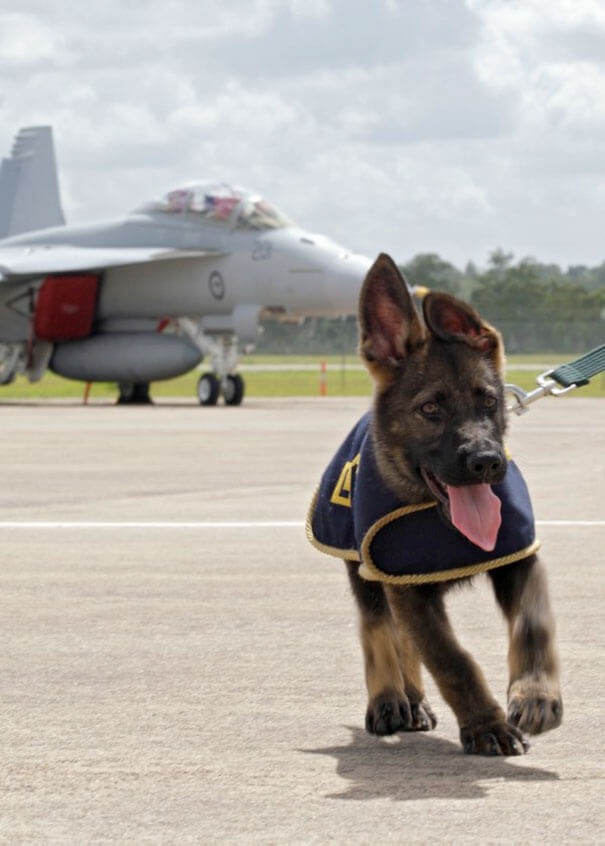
x,y
354,516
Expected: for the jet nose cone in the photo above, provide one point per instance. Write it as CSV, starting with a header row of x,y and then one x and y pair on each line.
x,y
356,264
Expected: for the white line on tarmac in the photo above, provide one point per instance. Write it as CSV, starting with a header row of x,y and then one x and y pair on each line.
x,y
570,522
151,524
218,524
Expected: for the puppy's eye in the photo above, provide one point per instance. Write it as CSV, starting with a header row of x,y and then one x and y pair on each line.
x,y
430,409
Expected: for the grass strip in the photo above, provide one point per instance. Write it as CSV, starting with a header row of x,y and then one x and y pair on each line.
x,y
282,383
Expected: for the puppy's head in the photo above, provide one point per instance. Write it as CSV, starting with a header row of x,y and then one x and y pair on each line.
x,y
439,416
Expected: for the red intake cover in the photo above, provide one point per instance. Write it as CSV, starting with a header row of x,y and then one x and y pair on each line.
x,y
65,307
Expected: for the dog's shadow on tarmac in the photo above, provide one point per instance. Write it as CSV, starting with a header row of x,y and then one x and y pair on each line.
x,y
418,766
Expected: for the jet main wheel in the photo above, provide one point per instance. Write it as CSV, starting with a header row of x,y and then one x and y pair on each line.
x,y
208,389
233,389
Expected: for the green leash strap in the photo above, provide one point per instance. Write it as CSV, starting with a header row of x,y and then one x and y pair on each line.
x,y
568,376
579,372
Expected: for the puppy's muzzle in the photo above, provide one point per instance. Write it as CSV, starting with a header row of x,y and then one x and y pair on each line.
x,y
486,465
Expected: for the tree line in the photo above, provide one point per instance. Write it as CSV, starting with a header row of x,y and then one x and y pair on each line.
x,y
537,307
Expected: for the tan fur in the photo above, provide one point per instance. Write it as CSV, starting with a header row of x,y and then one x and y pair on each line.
x,y
498,354
382,657
534,696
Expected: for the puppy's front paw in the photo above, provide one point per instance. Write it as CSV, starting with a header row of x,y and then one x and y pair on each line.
x,y
389,712
495,739
423,718
534,707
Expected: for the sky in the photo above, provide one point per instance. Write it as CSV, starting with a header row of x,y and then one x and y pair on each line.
x,y
405,126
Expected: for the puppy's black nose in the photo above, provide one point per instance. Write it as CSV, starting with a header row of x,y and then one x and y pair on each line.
x,y
485,465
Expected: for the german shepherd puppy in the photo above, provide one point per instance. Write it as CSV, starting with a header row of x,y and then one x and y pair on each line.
x,y
438,423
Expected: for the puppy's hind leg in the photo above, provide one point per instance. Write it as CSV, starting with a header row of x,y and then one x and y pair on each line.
x,y
534,698
392,669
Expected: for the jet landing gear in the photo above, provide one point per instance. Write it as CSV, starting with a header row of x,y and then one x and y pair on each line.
x,y
134,393
233,389
208,389
210,386
221,380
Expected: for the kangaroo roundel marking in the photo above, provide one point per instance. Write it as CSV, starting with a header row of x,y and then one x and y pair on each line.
x,y
216,283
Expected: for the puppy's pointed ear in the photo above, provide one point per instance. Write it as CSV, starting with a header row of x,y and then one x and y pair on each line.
x,y
389,327
452,320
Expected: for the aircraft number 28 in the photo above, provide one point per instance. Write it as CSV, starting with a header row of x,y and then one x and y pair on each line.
x,y
261,250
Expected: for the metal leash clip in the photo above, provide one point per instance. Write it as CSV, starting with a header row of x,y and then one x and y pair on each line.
x,y
564,379
547,387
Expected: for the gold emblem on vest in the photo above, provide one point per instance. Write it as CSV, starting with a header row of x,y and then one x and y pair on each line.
x,y
341,495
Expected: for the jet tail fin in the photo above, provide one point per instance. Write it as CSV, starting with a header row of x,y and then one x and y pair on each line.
x,y
29,187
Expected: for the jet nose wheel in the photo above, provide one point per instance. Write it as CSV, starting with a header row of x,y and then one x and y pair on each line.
x,y
233,389
208,389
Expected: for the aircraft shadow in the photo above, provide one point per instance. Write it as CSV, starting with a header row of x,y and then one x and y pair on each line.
x,y
418,766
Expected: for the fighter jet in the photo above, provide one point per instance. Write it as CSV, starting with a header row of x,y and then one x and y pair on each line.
x,y
147,296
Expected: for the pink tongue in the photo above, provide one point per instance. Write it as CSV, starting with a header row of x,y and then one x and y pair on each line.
x,y
475,511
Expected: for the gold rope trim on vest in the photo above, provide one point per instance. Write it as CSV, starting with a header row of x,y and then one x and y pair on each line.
x,y
345,554
370,572
385,520
353,554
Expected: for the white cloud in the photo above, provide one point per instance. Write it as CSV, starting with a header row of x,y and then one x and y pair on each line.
x,y
446,125
25,40
310,8
569,97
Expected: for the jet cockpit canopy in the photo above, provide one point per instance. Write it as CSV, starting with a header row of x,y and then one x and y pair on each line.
x,y
222,203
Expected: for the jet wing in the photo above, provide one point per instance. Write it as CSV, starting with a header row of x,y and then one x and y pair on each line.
x,y
20,262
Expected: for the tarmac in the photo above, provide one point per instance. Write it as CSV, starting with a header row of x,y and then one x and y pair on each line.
x,y
180,665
